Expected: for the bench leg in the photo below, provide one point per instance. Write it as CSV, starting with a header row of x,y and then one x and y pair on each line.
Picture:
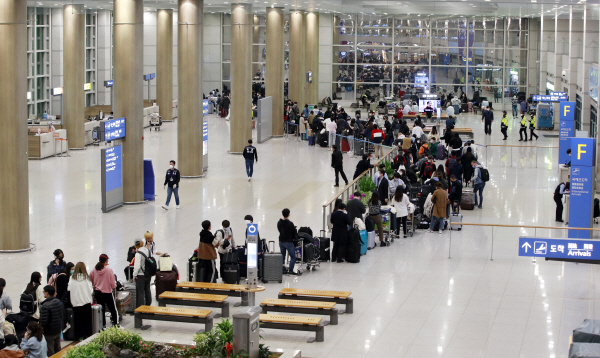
x,y
334,317
138,321
161,303
319,335
264,309
280,296
350,305
225,309
209,324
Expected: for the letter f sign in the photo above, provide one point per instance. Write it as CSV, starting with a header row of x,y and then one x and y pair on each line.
x,y
579,150
566,109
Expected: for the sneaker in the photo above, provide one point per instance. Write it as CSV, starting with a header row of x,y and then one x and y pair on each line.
x,y
479,206
336,186
296,273
441,232
177,207
165,207
382,244
249,179
430,231
405,236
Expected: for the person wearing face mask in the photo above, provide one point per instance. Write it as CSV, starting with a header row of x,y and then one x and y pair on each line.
x,y
57,265
172,180
478,183
81,290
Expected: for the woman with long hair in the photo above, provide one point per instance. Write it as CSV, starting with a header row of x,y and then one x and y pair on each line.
x,y
103,281
62,280
400,202
80,289
375,215
33,343
36,290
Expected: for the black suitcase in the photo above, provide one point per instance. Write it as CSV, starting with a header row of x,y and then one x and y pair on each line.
x,y
309,252
69,334
272,266
596,209
165,281
231,273
323,139
353,246
324,247
231,257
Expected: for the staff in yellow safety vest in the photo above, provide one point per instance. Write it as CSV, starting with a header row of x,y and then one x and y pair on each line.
x,y
532,125
523,129
504,124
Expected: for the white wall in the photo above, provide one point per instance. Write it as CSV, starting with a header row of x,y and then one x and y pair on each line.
x,y
325,54
211,53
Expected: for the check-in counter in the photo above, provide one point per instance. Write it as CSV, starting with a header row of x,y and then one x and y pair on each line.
x,y
175,109
47,144
147,112
89,131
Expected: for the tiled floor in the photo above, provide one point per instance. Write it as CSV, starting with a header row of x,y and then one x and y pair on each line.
x,y
411,300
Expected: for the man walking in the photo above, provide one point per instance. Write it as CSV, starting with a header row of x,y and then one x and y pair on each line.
x,y
515,107
337,163
487,116
172,180
439,208
51,319
523,129
250,154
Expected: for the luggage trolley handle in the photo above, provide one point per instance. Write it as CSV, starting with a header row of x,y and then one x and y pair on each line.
x,y
271,249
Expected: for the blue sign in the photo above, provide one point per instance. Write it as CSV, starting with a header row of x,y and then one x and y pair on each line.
x,y
149,76
114,129
205,107
566,130
113,161
559,97
559,248
583,152
108,83
583,160
252,229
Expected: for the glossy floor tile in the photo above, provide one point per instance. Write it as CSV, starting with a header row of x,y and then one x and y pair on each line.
x,y
411,300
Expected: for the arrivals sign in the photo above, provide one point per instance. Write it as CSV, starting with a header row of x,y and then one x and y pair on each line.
x,y
559,248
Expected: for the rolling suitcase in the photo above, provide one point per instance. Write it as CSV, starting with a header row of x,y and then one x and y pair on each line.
x,y
467,200
69,333
130,287
191,267
309,252
363,242
123,300
165,281
324,247
311,140
370,240
353,246
345,145
456,218
272,266
231,273
97,319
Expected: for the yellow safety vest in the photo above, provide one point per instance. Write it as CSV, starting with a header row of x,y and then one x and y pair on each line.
x,y
505,121
533,122
523,123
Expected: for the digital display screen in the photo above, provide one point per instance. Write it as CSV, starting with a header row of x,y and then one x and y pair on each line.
x,y
112,157
114,129
252,248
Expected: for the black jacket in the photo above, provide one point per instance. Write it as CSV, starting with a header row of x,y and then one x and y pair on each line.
x,y
355,209
487,116
340,221
383,189
172,177
287,230
337,160
51,315
455,191
225,102
250,153
317,125
361,167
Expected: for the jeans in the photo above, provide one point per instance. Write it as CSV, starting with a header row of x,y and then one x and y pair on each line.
x,y
378,220
173,191
488,127
290,249
143,296
249,167
515,111
434,220
478,188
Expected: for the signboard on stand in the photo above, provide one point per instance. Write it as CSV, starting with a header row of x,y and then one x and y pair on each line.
x,y
113,129
112,178
205,107
583,161
566,130
205,145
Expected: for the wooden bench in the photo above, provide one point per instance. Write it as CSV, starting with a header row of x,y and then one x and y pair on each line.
x,y
341,297
218,289
304,307
462,130
196,300
295,323
172,314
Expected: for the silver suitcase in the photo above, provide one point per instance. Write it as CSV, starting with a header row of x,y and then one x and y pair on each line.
x,y
455,218
272,266
130,287
97,321
370,240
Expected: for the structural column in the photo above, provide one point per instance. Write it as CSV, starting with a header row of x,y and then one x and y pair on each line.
x,y
128,23
274,66
164,63
14,191
189,53
297,73
312,57
74,70
241,76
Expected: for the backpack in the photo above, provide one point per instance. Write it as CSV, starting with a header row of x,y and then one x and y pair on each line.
x,y
131,253
428,170
149,265
484,174
52,280
28,302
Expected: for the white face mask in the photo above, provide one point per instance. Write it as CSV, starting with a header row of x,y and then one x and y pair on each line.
x,y
171,166
248,222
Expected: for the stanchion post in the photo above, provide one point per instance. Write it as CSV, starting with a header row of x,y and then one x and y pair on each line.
x,y
492,252
536,155
511,158
449,243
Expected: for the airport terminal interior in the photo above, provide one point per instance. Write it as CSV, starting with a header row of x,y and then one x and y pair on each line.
x,y
157,63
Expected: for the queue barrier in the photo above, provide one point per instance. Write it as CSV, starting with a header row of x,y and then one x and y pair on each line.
x,y
517,146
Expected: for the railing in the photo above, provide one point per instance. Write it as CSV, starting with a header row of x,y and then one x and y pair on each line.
x,y
516,146
535,227
349,189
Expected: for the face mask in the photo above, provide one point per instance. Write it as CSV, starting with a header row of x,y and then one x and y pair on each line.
x,y
72,271
248,222
171,166
474,166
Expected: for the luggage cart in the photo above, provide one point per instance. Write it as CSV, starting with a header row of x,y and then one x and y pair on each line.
x,y
389,225
155,121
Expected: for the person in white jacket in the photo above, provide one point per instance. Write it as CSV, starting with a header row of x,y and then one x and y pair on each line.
x,y
80,290
35,285
142,282
401,202
226,243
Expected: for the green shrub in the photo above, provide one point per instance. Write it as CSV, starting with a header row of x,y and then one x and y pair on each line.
x,y
91,350
121,338
388,169
366,185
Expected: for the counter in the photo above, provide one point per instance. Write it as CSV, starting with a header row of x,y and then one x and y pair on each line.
x,y
45,145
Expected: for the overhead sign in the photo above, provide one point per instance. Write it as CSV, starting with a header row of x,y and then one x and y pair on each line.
x,y
108,83
87,86
114,129
112,178
559,248
551,97
149,76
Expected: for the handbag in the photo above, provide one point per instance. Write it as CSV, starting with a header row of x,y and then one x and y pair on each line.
x,y
360,224
165,263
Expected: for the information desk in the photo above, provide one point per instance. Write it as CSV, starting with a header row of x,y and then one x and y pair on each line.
x,y
46,145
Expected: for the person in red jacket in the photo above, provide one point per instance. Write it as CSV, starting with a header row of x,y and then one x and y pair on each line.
x,y
377,136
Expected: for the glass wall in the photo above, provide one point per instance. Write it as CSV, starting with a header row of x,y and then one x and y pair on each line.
x,y
38,60
481,56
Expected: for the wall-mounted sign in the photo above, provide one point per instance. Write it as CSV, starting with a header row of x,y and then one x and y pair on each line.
x,y
309,76
556,97
87,87
57,91
29,96
108,83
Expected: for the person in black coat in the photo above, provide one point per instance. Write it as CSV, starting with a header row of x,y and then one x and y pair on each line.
x,y
466,160
383,186
51,319
339,233
337,163
355,208
363,165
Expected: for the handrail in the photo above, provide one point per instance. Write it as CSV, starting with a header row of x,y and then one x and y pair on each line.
x,y
357,179
516,146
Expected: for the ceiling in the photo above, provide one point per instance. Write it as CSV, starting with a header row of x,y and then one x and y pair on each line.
x,y
484,8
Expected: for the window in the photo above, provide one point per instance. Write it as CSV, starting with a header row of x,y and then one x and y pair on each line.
x,y
38,60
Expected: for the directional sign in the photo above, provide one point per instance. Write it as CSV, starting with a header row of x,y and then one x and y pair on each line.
x,y
252,229
557,97
559,248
